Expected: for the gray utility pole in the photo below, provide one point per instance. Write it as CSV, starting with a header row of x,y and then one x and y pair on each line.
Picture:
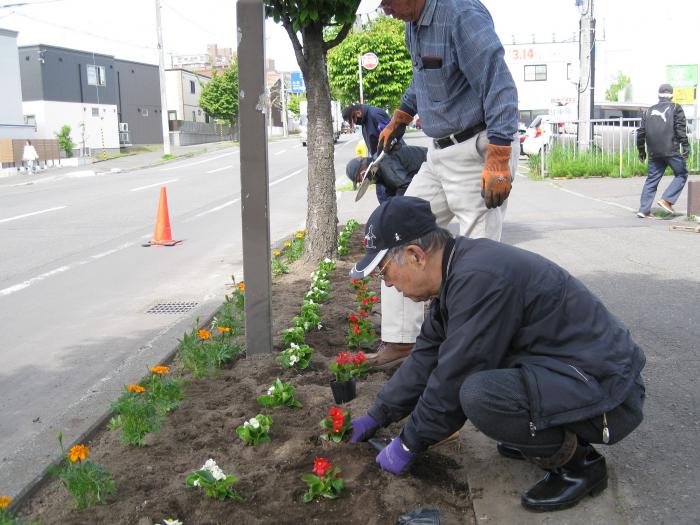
x,y
283,92
586,83
359,71
255,201
161,75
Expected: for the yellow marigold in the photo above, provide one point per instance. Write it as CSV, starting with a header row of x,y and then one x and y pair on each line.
x,y
160,370
78,452
299,235
204,334
5,502
137,389
241,286
276,253
223,329
287,244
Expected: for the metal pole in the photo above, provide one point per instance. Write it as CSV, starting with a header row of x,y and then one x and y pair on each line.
x,y
255,202
284,106
161,76
359,69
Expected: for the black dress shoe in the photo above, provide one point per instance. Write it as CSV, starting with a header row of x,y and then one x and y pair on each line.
x,y
565,486
509,452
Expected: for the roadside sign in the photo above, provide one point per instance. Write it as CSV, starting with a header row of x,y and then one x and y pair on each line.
x,y
684,95
370,61
682,75
297,82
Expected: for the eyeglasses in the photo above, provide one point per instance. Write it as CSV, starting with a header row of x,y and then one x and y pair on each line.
x,y
380,272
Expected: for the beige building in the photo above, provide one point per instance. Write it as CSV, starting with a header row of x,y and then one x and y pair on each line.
x,y
183,89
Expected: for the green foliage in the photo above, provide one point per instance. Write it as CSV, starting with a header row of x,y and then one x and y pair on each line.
x,y
344,237
294,334
136,417
382,86
215,484
329,484
620,83
305,13
65,143
280,394
203,357
164,393
219,97
296,356
565,163
256,430
293,104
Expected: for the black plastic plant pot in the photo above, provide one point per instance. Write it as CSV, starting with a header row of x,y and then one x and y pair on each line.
x,y
343,391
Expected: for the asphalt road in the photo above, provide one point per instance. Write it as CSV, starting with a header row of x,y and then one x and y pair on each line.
x,y
75,282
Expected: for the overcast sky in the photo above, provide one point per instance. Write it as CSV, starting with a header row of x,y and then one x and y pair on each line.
x,y
641,36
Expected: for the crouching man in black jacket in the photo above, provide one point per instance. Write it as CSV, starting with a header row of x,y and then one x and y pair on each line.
x,y
395,172
513,343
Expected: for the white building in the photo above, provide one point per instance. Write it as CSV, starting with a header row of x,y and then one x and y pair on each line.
x,y
12,125
183,89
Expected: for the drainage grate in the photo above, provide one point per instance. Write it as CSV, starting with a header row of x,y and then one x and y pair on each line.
x,y
172,308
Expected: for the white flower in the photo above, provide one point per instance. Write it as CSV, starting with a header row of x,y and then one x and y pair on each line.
x,y
293,359
170,521
310,301
294,345
209,464
271,390
196,483
218,474
319,326
254,423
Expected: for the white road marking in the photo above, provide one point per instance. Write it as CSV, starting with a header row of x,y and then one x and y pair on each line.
x,y
108,252
593,198
29,282
32,213
280,152
217,208
297,172
153,185
170,168
220,169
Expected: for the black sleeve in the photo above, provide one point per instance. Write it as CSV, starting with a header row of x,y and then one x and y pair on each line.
x,y
680,128
642,133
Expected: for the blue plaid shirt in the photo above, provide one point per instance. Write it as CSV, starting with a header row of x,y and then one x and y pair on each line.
x,y
469,81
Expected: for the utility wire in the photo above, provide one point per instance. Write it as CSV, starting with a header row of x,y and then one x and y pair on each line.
x,y
189,20
29,4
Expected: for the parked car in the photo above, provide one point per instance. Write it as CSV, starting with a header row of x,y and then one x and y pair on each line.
x,y
538,135
522,129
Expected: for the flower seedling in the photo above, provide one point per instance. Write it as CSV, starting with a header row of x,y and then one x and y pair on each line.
x,y
164,392
256,430
336,424
88,482
347,365
296,356
361,332
137,415
215,484
325,481
280,394
293,335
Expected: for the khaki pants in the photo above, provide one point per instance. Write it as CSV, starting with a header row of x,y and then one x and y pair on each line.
x,y
451,181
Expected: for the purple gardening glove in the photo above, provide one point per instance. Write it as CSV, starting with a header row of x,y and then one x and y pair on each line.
x,y
395,458
363,428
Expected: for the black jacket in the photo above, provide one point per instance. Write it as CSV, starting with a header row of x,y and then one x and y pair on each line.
x,y
664,130
503,307
396,171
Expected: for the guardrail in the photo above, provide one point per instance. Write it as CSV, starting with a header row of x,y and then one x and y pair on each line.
x,y
611,151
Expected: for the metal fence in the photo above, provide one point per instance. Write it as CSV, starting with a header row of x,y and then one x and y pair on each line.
x,y
612,150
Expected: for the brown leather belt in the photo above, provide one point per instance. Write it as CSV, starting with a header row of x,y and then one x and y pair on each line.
x,y
460,136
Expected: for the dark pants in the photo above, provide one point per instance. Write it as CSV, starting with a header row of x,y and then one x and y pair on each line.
x,y
657,167
496,403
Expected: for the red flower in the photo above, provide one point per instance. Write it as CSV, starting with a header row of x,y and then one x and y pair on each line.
x,y
343,358
355,282
365,301
364,243
321,466
356,329
353,318
335,412
363,313
359,358
374,299
363,287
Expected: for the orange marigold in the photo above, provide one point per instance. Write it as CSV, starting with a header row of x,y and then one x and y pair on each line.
x,y
241,286
137,389
223,329
5,502
78,452
204,334
160,370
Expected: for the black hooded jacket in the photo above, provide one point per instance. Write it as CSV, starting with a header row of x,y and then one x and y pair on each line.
x,y
663,130
503,307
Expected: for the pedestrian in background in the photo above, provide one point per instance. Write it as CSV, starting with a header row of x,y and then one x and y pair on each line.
x,y
30,156
468,104
661,137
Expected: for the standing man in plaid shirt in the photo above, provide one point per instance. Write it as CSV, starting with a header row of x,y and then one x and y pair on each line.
x,y
468,103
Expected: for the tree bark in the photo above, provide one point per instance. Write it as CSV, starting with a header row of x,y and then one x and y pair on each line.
x,y
321,216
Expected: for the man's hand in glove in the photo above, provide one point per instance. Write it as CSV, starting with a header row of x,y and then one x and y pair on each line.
x,y
496,179
642,155
394,130
363,428
395,458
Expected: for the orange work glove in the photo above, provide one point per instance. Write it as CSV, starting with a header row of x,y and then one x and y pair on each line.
x,y
496,179
394,130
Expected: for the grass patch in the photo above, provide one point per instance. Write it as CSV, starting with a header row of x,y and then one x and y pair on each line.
x,y
109,156
662,214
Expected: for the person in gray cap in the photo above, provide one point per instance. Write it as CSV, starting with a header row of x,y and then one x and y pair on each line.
x,y
661,137
513,343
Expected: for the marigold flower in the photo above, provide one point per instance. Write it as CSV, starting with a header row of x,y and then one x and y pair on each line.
x,y
223,329
204,334
5,502
356,329
321,466
137,389
276,253
161,370
241,286
299,235
287,244
78,452
343,357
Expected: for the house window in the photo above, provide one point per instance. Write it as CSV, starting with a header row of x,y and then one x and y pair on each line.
x,y
172,115
95,75
568,71
194,116
95,112
144,112
192,87
30,120
536,73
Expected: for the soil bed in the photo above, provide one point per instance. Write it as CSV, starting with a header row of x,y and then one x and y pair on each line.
x,y
151,480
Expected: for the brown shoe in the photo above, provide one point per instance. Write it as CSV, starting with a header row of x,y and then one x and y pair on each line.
x,y
389,355
665,205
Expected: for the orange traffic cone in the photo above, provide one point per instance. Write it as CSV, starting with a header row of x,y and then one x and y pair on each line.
x,y
162,235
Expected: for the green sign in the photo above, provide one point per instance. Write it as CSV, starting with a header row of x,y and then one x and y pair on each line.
x,y
682,75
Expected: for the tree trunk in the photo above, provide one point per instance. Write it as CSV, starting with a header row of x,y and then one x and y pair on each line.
x,y
321,216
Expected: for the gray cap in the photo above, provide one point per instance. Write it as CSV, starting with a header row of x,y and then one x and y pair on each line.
x,y
665,90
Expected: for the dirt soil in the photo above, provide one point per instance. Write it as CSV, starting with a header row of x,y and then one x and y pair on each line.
x,y
151,480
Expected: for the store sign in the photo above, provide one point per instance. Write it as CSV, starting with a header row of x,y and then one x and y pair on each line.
x,y
297,82
684,95
370,61
682,75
